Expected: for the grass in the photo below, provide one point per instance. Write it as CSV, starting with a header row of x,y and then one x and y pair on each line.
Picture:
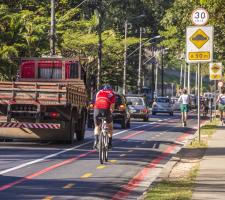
x,y
206,132
174,190
181,189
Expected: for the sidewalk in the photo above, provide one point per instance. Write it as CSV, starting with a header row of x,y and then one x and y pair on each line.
x,y
210,182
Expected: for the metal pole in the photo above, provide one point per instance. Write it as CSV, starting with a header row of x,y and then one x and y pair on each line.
x,y
139,66
125,60
156,80
185,74
189,84
162,74
172,89
199,132
52,31
181,75
196,82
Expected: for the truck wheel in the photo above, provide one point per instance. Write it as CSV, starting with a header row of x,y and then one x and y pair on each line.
x,y
70,130
81,128
123,123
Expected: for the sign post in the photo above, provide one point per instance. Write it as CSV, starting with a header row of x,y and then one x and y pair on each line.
x,y
199,46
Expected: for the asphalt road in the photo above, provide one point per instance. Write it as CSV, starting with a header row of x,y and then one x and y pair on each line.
x,y
51,171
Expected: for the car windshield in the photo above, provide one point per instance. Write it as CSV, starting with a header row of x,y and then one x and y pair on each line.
x,y
162,100
135,101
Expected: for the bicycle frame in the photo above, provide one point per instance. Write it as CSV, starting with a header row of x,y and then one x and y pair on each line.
x,y
103,142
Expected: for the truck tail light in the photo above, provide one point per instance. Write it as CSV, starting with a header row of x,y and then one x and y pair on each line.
x,y
122,107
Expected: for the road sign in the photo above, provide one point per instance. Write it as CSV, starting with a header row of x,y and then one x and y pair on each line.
x,y
199,44
200,17
220,84
215,71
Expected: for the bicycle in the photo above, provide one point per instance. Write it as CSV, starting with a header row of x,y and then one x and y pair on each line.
x,y
103,141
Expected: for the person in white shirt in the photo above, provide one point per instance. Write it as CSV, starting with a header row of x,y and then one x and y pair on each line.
x,y
185,101
221,101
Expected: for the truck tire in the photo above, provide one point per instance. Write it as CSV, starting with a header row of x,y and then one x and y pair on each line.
x,y
123,124
70,130
80,129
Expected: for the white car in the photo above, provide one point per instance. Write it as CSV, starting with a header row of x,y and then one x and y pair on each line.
x,y
175,103
162,105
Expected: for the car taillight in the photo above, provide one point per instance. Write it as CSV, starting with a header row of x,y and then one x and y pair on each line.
x,y
122,107
145,110
91,106
53,114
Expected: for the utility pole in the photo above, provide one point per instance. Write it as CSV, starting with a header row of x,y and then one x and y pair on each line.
x,y
153,74
156,79
162,73
125,60
99,45
52,31
140,62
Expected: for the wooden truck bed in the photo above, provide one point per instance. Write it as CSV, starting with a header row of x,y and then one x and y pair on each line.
x,y
43,93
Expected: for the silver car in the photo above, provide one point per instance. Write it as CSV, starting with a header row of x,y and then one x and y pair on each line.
x,y
162,105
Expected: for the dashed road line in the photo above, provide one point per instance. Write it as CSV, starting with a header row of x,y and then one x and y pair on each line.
x,y
112,161
122,155
131,150
48,198
86,175
101,167
68,186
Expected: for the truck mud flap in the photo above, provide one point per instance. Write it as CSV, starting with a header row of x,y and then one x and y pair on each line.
x,y
29,125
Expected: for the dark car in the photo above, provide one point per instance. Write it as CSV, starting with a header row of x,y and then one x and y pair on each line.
x,y
138,107
121,112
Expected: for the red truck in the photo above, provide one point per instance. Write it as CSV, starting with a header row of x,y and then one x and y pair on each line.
x,y
47,101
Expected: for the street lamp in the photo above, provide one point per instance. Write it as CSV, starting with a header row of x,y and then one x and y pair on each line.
x,y
129,55
125,53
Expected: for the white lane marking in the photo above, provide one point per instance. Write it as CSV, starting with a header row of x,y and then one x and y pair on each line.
x,y
61,152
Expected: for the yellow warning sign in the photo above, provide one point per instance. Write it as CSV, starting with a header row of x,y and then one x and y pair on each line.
x,y
199,55
215,68
215,77
199,38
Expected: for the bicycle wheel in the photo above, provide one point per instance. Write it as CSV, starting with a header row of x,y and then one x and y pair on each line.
x,y
101,148
106,149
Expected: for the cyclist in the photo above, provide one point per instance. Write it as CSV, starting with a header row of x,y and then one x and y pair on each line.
x,y
104,106
221,101
185,101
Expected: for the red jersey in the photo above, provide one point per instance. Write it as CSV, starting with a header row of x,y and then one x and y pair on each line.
x,y
104,99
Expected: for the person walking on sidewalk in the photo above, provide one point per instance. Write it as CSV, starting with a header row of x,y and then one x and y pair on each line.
x,y
184,106
221,101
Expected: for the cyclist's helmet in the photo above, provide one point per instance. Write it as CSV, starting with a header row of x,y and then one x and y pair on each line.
x,y
107,87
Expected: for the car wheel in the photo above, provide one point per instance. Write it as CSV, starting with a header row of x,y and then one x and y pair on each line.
x,y
128,123
153,113
145,119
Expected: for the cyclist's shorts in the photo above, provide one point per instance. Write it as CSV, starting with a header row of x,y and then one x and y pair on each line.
x,y
221,107
102,113
184,108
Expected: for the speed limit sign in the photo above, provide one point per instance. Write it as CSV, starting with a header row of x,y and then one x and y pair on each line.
x,y
200,17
